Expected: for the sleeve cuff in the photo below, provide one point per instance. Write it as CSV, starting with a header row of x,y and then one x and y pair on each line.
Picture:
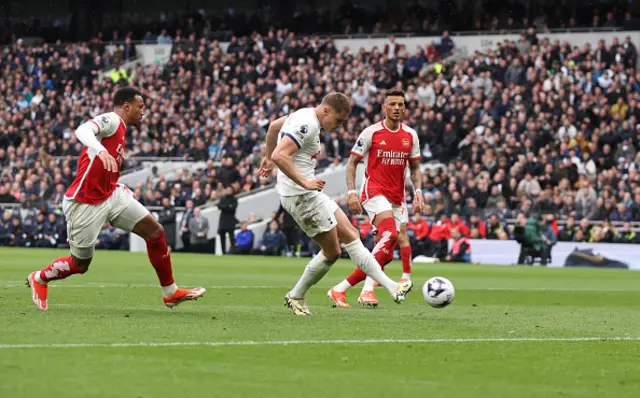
x,y
356,154
294,139
96,124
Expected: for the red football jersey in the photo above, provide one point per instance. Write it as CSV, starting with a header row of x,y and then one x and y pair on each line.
x,y
386,154
93,184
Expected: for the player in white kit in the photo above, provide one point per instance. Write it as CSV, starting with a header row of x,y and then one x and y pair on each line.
x,y
295,155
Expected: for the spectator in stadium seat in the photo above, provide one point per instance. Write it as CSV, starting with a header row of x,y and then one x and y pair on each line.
x,y
273,241
185,233
549,232
18,236
288,227
580,236
567,234
43,237
198,229
439,236
608,232
621,213
6,228
529,187
227,224
228,173
456,222
495,197
626,235
446,45
366,232
478,229
167,218
418,231
460,249
244,240
586,200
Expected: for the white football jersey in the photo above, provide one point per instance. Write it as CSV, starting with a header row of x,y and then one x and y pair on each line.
x,y
303,127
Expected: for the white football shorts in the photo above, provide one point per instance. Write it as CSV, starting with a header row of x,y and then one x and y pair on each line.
x,y
378,204
314,212
85,221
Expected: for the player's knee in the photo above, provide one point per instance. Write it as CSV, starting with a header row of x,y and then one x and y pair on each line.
x,y
332,253
156,231
159,230
333,256
82,263
403,237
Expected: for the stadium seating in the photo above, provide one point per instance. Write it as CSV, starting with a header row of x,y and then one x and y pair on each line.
x,y
529,127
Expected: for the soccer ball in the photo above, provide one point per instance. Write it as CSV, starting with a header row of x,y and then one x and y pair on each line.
x,y
438,292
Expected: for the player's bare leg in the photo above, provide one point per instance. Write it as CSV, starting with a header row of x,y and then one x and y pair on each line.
x,y
315,270
60,268
366,260
386,240
153,233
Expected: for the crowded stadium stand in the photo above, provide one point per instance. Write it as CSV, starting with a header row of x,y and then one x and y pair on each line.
x,y
511,125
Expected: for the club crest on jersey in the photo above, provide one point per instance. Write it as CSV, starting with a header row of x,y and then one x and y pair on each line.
x,y
405,142
302,131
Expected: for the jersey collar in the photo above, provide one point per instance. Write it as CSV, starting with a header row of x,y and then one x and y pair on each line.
x,y
393,131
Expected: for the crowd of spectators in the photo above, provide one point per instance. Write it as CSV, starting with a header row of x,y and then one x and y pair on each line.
x,y
529,127
156,25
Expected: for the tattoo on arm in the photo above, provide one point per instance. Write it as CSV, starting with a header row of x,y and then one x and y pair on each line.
x,y
416,175
352,166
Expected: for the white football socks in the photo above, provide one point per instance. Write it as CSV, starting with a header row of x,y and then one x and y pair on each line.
x,y
369,284
39,279
315,270
406,276
170,290
342,286
368,264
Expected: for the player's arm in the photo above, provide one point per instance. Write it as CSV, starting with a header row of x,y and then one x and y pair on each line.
x,y
87,134
416,179
416,174
272,135
358,152
272,141
281,156
352,195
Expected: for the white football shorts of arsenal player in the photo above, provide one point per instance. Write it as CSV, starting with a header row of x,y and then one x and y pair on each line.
x,y
95,197
387,154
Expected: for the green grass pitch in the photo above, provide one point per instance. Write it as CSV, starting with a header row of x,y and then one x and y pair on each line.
x,y
511,332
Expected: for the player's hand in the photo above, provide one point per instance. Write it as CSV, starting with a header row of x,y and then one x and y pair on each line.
x,y
314,185
354,204
108,162
418,204
265,167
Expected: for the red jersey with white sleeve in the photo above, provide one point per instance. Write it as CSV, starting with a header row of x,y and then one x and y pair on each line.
x,y
386,153
93,184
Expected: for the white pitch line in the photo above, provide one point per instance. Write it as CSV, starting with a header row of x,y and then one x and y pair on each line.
x,y
319,342
18,284
138,285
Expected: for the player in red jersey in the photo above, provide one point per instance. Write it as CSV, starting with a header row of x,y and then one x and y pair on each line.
x,y
95,197
387,147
